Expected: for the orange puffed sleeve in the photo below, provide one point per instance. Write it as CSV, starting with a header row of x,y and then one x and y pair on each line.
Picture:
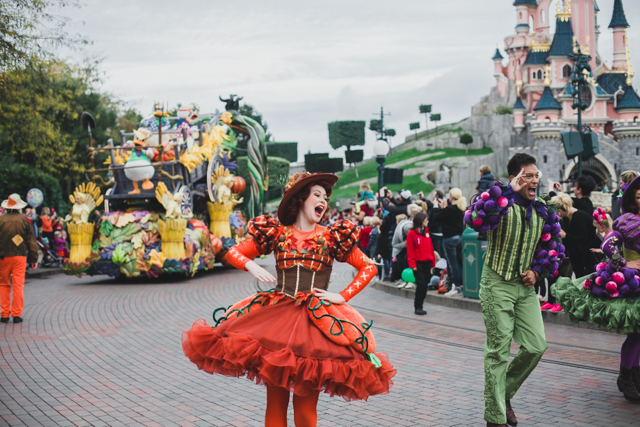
x,y
240,254
366,271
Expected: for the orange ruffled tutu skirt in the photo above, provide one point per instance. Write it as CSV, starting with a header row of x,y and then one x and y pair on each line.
x,y
278,345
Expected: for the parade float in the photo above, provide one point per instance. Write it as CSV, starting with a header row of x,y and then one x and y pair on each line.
x,y
171,194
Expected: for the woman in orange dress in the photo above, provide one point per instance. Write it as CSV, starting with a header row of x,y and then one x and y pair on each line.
x,y
297,337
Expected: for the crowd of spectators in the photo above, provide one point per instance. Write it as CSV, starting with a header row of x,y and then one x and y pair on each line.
x,y
51,233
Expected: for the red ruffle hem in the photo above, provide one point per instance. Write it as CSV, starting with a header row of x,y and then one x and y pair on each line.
x,y
278,345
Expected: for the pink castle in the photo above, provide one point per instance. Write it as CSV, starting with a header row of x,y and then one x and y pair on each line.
x,y
539,70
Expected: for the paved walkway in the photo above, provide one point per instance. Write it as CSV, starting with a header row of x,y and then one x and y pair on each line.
x,y
97,352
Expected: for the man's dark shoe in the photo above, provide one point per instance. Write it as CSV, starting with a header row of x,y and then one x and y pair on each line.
x,y
420,311
495,425
17,320
511,416
626,386
635,377
4,319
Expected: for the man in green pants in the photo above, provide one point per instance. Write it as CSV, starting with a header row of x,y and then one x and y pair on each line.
x,y
510,307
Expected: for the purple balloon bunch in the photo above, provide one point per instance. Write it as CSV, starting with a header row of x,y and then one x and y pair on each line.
x,y
486,212
550,251
613,279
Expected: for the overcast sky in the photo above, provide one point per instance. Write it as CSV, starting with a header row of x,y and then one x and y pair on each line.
x,y
305,63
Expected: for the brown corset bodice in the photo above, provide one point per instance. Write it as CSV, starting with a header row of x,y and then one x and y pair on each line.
x,y
299,279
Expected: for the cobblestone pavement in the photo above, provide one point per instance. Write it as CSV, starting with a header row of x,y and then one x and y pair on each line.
x,y
97,352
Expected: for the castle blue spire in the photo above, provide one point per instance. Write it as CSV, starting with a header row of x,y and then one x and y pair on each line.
x,y
547,101
497,55
630,99
519,105
618,19
529,2
562,44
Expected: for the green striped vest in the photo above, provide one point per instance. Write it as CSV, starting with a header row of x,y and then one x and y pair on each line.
x,y
511,245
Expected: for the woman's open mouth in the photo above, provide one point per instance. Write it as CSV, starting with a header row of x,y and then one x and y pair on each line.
x,y
319,210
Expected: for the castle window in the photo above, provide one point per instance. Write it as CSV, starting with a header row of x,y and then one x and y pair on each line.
x,y
543,17
547,120
566,71
544,158
619,96
635,119
539,74
637,151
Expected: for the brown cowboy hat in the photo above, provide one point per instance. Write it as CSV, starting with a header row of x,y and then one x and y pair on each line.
x,y
629,195
296,183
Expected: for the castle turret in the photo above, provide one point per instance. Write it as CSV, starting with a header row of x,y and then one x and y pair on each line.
x,y
619,25
519,110
501,80
547,109
524,9
629,105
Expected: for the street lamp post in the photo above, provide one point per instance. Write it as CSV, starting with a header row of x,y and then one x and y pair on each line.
x,y
581,69
380,149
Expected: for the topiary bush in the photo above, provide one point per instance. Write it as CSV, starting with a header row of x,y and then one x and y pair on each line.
x,y
285,150
278,176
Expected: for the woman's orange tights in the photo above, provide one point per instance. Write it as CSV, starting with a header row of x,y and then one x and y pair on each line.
x,y
304,408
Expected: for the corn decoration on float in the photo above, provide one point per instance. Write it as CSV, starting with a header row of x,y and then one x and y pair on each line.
x,y
85,199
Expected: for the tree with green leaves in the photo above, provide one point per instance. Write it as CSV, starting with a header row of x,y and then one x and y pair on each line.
x,y
29,27
466,139
348,134
40,107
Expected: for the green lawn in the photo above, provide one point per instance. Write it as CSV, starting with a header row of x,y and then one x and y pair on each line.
x,y
369,169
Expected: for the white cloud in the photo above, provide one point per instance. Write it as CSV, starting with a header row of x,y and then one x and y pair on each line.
x,y
303,64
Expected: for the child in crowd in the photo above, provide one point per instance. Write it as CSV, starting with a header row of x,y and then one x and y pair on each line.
x,y
420,257
365,232
366,195
59,245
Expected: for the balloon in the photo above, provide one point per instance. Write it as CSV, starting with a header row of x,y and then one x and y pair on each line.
x,y
408,276
35,197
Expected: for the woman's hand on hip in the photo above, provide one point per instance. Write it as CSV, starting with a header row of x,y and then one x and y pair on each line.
x,y
330,296
259,273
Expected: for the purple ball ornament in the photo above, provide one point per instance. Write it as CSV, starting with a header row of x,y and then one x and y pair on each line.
x,y
495,192
599,292
511,202
624,289
490,205
555,229
561,248
546,229
467,217
552,244
479,205
634,283
485,228
494,219
606,277
482,214
628,273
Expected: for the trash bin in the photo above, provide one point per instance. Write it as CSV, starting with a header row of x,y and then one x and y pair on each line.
x,y
472,261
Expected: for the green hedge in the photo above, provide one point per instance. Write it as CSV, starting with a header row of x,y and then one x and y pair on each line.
x,y
17,178
243,171
278,177
310,161
328,165
354,156
285,150
346,133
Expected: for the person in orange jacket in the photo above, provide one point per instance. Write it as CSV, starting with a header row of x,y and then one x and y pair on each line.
x,y
298,337
421,257
17,238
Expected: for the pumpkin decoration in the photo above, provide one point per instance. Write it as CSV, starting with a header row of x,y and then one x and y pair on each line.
x,y
239,185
